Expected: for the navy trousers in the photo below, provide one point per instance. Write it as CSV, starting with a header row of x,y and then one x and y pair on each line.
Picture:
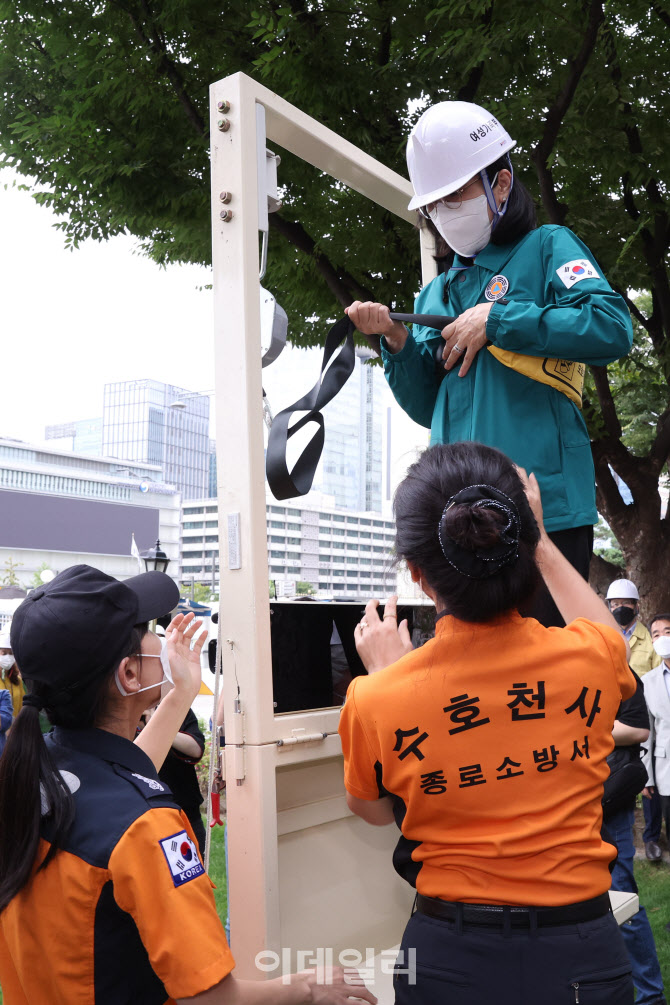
x,y
581,964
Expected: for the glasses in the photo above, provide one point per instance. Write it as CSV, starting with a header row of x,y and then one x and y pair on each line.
x,y
452,201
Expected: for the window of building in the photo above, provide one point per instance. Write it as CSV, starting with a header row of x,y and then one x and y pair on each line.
x,y
193,525
340,518
339,532
278,554
192,510
278,540
278,524
353,560
277,509
338,544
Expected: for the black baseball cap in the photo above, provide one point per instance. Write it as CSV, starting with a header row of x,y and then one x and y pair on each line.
x,y
78,625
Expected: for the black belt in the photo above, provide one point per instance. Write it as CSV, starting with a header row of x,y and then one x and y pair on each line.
x,y
502,916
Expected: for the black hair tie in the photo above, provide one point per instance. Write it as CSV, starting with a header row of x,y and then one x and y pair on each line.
x,y
33,701
482,562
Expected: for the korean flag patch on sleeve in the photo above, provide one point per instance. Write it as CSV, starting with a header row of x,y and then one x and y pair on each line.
x,y
182,858
572,272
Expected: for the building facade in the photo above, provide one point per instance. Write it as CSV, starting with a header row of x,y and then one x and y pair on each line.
x,y
61,509
141,423
83,436
341,554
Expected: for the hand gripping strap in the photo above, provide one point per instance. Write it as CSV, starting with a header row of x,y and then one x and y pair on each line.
x,y
298,482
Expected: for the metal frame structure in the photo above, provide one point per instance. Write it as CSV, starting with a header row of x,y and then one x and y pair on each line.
x,y
283,773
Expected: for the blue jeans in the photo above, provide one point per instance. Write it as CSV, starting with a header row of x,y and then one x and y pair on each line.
x,y
636,932
653,817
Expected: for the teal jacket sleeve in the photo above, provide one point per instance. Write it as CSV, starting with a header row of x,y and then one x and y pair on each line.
x,y
6,710
412,376
581,317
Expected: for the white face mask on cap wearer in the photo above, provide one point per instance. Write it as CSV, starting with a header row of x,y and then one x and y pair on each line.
x,y
167,672
662,646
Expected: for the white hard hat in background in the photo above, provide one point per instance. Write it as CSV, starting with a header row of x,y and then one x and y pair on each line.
x,y
622,589
5,640
451,142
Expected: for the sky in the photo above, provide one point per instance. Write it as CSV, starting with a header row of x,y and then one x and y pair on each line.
x,y
72,321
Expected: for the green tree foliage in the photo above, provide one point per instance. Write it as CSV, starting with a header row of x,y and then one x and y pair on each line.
x,y
105,111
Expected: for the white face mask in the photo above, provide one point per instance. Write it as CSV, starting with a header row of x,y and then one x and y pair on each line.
x,y
467,230
6,663
167,672
662,646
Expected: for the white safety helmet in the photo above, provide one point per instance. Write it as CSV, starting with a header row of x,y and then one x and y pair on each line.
x,y
452,142
622,589
5,640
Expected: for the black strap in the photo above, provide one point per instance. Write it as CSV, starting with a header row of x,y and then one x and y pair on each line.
x,y
298,482
437,321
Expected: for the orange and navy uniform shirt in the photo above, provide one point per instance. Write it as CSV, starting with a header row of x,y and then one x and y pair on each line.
x,y
491,740
124,912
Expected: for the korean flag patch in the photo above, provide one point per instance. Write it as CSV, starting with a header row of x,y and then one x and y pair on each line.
x,y
572,272
182,858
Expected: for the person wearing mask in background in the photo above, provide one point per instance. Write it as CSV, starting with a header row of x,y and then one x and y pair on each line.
x,y
103,897
532,307
657,748
6,716
488,747
10,677
627,778
623,601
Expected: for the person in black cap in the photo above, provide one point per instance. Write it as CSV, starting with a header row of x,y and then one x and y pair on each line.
x,y
103,897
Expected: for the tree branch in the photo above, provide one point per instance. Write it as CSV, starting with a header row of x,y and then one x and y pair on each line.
x,y
341,283
607,406
540,153
166,65
660,12
469,89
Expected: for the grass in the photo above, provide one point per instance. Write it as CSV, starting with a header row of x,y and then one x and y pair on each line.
x,y
654,886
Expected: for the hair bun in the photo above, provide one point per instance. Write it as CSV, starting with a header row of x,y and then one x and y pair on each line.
x,y
473,527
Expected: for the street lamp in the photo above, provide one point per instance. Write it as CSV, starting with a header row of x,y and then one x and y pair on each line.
x,y
179,404
155,559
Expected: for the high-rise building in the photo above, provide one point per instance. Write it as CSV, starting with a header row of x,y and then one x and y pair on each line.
x,y
141,424
341,554
350,469
83,436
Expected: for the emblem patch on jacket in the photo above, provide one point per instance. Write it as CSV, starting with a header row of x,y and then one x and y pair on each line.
x,y
496,288
572,272
182,858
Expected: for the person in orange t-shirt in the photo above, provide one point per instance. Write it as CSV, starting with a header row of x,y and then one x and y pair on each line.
x,y
488,747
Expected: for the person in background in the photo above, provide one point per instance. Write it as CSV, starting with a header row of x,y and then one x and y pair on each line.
x,y
627,777
6,717
623,601
10,676
657,748
179,774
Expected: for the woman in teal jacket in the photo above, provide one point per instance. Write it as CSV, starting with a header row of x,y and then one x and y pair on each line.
x,y
532,307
